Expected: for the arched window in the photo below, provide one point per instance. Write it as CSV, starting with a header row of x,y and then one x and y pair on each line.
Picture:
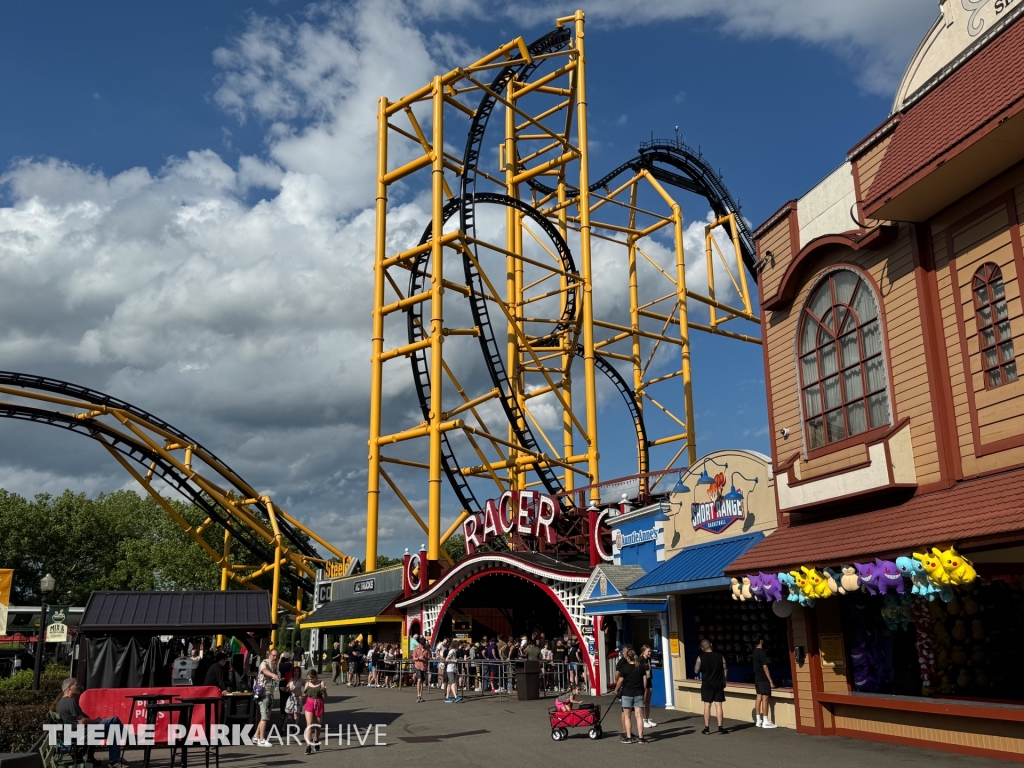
x,y
994,338
842,371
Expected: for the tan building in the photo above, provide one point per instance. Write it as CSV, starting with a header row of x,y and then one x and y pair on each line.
x,y
892,315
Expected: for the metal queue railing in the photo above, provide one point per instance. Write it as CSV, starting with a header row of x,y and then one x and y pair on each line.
x,y
479,676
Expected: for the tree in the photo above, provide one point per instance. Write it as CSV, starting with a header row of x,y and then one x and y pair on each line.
x,y
455,546
383,561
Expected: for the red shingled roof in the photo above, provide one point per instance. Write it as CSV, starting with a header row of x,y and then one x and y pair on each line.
x,y
968,101
970,510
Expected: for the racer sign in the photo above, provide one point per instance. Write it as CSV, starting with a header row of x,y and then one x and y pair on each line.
x,y
530,513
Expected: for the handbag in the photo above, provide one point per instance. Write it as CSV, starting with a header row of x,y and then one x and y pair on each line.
x,y
258,692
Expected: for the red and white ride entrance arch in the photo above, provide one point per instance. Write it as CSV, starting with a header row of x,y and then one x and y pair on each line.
x,y
489,575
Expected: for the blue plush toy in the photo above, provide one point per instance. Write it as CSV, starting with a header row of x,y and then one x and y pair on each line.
x,y
795,595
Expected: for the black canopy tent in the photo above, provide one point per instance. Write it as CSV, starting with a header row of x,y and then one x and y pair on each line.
x,y
120,632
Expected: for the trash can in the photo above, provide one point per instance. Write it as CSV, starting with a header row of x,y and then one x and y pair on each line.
x,y
528,680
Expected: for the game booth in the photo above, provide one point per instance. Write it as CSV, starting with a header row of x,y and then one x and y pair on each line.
x,y
133,660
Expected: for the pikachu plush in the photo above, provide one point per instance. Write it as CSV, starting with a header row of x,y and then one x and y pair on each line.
x,y
933,567
959,569
817,584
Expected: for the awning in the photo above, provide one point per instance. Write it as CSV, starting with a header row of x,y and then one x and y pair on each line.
x,y
170,613
971,511
353,611
626,605
697,567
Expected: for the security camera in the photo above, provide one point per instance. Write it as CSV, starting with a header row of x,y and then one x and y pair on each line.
x,y
784,432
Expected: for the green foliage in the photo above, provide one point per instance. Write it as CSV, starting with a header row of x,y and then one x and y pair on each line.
x,y
119,540
455,547
22,710
383,561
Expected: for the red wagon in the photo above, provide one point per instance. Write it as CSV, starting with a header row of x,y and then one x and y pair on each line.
x,y
587,716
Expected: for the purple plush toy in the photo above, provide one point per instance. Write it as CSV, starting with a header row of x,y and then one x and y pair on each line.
x,y
772,587
869,573
889,577
756,586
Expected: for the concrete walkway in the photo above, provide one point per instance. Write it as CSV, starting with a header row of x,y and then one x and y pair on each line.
x,y
506,733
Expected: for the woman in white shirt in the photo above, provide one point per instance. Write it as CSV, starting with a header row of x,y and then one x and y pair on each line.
x,y
452,676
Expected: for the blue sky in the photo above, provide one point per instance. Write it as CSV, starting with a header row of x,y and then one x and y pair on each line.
x,y
183,206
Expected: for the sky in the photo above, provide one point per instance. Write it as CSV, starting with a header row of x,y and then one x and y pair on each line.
x,y
186,199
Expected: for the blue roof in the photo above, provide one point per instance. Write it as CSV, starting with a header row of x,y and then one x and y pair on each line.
x,y
697,567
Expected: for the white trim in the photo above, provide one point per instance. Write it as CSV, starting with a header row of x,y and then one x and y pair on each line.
x,y
502,559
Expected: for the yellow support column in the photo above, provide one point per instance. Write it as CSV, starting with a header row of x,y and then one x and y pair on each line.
x,y
436,326
634,317
589,373
225,569
568,353
684,333
376,364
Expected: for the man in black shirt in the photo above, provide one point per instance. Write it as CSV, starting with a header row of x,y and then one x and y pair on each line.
x,y
712,670
763,684
216,674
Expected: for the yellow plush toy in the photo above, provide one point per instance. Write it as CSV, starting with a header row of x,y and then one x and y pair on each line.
x,y
933,567
959,569
817,585
802,583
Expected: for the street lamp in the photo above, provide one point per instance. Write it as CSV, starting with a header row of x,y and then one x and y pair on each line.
x,y
46,585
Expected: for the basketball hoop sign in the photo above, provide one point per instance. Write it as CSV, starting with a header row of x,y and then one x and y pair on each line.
x,y
528,513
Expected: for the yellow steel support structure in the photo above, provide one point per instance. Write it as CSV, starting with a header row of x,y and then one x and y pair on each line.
x,y
536,280
137,440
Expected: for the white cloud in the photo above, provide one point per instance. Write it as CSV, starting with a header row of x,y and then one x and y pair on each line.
x,y
877,37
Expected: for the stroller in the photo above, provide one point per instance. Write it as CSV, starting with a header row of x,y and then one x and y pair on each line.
x,y
587,716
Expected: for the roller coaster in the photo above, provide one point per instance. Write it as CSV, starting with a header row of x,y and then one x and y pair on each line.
x,y
551,313
161,457
535,309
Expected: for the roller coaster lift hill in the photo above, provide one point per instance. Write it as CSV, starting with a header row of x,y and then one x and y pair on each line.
x,y
508,261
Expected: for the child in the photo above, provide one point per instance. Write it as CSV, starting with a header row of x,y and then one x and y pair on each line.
x,y
564,702
295,699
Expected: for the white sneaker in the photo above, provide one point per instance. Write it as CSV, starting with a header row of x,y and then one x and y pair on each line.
x,y
768,724
759,721
649,723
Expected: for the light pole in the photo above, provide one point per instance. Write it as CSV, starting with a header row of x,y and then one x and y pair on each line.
x,y
46,585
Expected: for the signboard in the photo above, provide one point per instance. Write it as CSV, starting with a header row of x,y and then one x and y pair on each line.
x,y
634,538
831,651
462,626
528,513
6,577
717,515
57,628
673,643
365,585
323,593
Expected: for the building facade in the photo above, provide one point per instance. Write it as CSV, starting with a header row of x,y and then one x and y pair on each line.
x,y
892,315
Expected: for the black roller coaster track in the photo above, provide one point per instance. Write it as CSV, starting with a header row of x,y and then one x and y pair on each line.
x,y
420,274
673,162
137,451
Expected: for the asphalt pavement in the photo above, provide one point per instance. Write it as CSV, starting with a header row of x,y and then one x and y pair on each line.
x,y
386,727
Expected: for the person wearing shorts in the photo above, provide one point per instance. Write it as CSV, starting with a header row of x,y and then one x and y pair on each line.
x,y
420,659
763,685
630,682
451,675
315,692
712,670
268,678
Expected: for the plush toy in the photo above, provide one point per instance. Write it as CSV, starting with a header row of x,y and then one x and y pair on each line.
x,y
795,593
832,578
890,578
933,567
745,589
817,586
756,587
959,631
958,656
958,568
926,655
802,583
735,586
772,587
977,631
850,582
970,606
906,603
914,571
963,680
868,577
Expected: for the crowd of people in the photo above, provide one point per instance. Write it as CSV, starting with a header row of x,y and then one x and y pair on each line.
x,y
456,665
